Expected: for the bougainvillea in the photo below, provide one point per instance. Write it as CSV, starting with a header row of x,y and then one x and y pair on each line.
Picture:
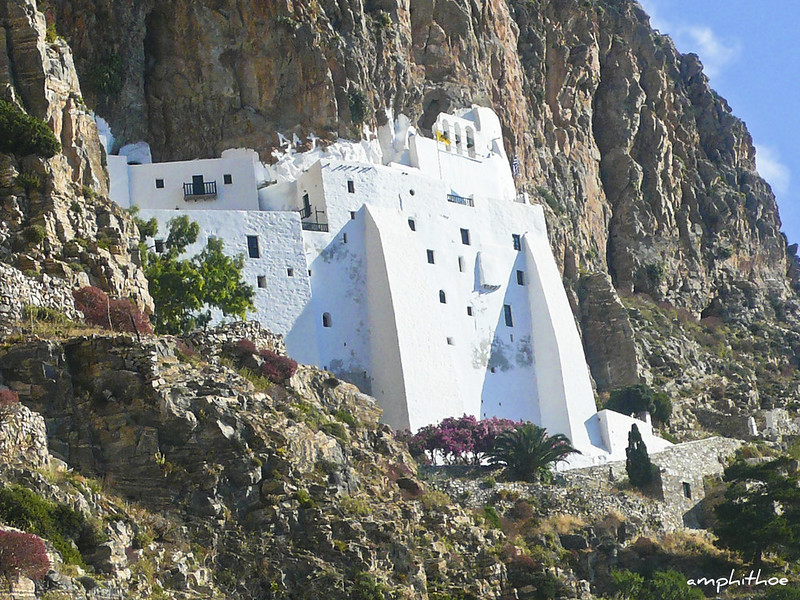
x,y
118,314
277,368
23,554
457,440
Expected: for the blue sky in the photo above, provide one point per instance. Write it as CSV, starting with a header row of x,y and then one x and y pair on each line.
x,y
750,55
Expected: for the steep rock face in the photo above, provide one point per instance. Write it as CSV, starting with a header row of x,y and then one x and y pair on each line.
x,y
646,174
56,217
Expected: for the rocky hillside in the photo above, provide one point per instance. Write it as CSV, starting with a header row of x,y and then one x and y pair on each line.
x,y
648,180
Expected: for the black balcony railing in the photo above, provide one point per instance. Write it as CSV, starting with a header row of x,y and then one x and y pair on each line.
x,y
314,226
198,189
460,200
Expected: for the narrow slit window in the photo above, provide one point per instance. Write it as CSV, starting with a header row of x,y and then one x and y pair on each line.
x,y
430,257
160,246
326,320
469,311
290,272
442,297
352,215
160,184
465,237
509,318
412,225
227,178
252,246
461,263
517,240
262,281
520,277
344,238
351,186
687,490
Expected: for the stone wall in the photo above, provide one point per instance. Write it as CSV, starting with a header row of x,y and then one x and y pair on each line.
x,y
213,340
17,291
23,438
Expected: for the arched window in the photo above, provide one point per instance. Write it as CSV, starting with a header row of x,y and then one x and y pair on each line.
x,y
457,131
470,141
326,320
442,297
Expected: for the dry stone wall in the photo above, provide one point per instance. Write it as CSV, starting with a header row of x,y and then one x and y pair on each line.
x,y
18,291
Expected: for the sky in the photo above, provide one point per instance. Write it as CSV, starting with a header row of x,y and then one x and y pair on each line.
x,y
751,58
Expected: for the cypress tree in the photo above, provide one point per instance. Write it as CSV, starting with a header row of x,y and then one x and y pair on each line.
x,y
637,462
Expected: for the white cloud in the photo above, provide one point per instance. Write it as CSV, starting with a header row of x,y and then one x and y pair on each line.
x,y
770,167
713,52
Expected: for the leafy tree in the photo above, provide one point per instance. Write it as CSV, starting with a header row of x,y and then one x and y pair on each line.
x,y
637,461
529,452
24,134
639,398
183,288
663,585
118,314
23,554
761,509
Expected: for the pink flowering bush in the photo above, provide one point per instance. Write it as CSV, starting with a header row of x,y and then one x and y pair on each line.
x,y
118,314
456,440
23,554
8,398
277,368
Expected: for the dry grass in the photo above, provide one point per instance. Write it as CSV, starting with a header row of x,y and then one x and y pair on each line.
x,y
689,543
561,524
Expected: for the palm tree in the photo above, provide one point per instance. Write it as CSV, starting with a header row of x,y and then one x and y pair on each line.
x,y
529,452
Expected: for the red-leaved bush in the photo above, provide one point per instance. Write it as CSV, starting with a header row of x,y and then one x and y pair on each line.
x,y
8,398
23,554
277,368
118,314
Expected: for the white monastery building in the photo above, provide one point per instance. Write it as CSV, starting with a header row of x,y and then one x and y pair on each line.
x,y
406,265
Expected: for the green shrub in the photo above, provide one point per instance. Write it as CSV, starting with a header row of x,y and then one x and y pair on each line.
x,y
366,588
106,75
663,585
529,452
345,417
24,509
491,516
335,429
34,234
51,35
358,103
28,181
637,462
639,398
23,134
435,500
43,314
304,498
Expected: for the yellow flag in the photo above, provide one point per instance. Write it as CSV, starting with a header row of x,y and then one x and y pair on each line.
x,y
442,137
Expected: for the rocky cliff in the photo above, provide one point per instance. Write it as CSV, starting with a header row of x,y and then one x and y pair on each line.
x,y
648,180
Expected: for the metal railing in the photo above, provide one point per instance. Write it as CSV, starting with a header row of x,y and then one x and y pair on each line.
x,y
207,188
314,226
460,200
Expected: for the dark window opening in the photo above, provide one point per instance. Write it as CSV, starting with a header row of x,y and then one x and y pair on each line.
x,y
290,272
411,192
160,246
465,237
412,225
461,263
517,241
351,186
160,184
430,256
306,211
227,179
442,297
507,315
252,246
469,311
344,238
520,277
326,320
450,342
687,490
262,281
352,215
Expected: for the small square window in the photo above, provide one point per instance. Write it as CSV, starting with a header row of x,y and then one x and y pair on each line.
x,y
412,225
252,246
351,186
465,237
469,311
451,342
516,238
442,297
352,215
507,315
461,263
520,277
160,246
227,178
290,272
262,281
160,184
430,256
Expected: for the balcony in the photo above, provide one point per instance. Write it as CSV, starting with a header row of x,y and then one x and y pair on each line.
x,y
200,190
314,226
460,200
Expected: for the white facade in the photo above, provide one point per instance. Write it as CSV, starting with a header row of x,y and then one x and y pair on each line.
x,y
423,281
